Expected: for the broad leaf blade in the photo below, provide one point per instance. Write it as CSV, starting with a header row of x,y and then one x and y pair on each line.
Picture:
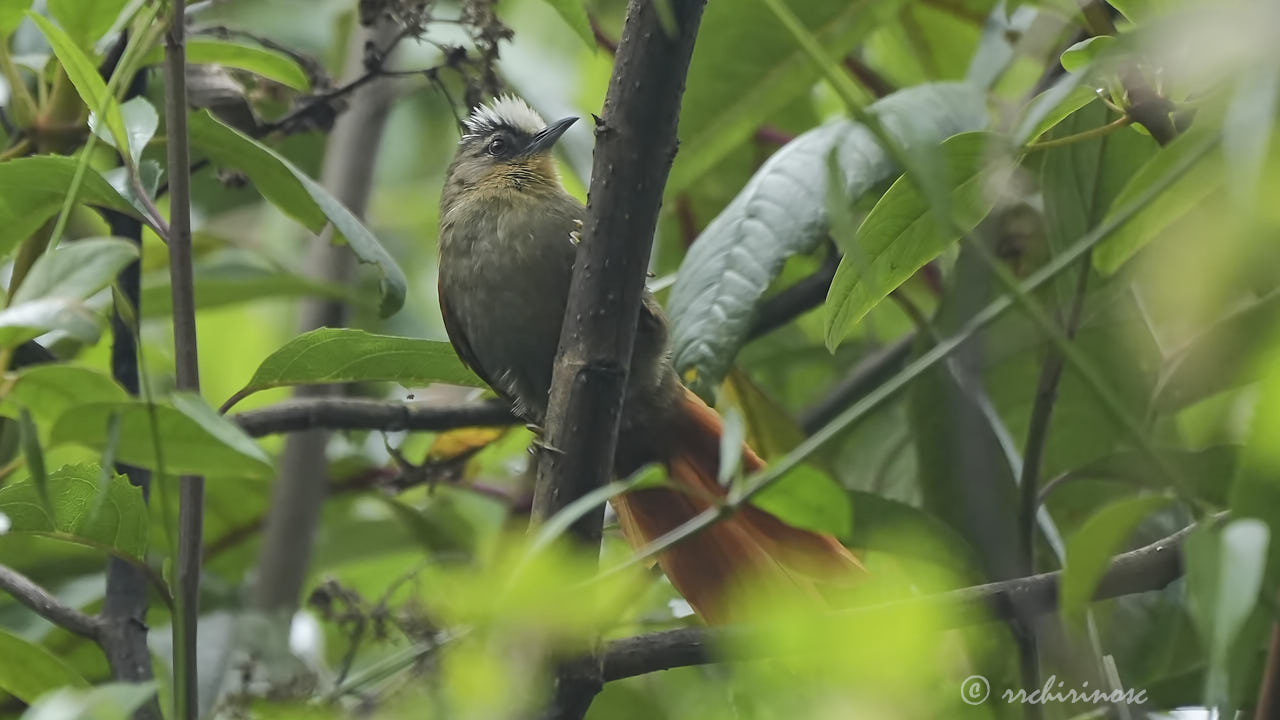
x,y
76,270
119,525
782,212
1204,176
84,76
337,355
140,124
49,390
1090,547
188,445
573,13
86,21
808,498
258,60
902,233
28,320
29,671
32,189
295,193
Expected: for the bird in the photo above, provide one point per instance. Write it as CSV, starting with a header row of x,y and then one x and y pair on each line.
x,y
509,234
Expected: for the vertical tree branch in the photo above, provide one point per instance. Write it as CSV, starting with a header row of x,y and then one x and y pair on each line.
x,y
635,145
350,153
186,361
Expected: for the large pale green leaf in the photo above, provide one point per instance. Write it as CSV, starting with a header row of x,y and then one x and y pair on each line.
x,y
745,69
1051,107
808,498
192,440
83,73
29,671
86,21
119,523
902,232
1205,176
258,60
76,270
112,701
32,189
49,390
1091,547
1224,574
296,194
22,322
231,284
140,124
12,13
1229,354
338,355
575,14
782,212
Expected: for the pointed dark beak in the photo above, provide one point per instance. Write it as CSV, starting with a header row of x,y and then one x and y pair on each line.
x,y
548,136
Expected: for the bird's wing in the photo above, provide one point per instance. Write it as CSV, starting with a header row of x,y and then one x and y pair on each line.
x,y
460,343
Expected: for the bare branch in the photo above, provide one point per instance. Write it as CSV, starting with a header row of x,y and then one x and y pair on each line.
x,y
47,606
358,414
1148,568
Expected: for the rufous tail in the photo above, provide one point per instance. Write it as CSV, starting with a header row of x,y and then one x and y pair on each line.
x,y
749,547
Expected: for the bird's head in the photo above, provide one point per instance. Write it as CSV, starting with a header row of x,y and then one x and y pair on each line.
x,y
506,147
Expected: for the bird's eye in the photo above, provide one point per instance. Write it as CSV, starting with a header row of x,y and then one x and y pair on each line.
x,y
497,146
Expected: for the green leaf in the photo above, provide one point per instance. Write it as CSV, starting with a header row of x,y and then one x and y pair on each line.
x,y
76,270
808,498
733,435
119,526
50,390
1224,575
897,528
140,123
33,454
1091,547
86,21
83,73
12,13
901,232
112,701
1229,354
29,671
731,92
575,15
1051,107
782,212
440,528
261,61
1084,53
191,442
32,189
296,194
1205,176
28,320
234,283
149,173
338,355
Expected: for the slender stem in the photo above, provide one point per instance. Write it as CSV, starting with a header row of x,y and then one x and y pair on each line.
x,y
1091,134
186,363
47,606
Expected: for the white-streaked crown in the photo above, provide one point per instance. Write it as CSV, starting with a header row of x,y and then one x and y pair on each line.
x,y
507,110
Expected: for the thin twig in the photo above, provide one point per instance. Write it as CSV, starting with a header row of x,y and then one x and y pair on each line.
x,y
1091,134
186,362
1148,568
47,606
